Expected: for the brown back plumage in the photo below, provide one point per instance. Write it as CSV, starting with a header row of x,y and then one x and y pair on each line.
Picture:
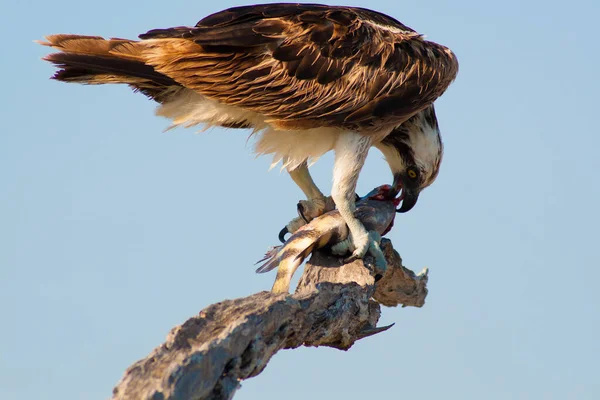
x,y
297,65
306,65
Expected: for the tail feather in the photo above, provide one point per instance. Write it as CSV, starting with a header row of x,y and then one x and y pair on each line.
x,y
95,60
91,45
91,67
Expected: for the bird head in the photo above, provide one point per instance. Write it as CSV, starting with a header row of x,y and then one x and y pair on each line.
x,y
414,152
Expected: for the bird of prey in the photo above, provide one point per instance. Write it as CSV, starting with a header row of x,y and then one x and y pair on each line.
x,y
306,78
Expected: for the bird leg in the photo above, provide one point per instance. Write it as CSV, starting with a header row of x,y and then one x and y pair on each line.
x,y
351,152
315,205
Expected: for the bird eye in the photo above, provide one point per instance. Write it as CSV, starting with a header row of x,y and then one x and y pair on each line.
x,y
412,173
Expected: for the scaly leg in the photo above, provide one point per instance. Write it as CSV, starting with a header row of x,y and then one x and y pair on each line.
x,y
351,152
302,178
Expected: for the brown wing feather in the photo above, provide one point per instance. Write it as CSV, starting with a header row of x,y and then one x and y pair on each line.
x,y
306,65
298,65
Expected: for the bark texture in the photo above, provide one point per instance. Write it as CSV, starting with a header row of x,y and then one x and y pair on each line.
x,y
335,305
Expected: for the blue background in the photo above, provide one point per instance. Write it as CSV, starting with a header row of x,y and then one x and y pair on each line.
x,y
112,232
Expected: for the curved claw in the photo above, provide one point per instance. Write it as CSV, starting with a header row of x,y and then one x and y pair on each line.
x,y
282,234
301,213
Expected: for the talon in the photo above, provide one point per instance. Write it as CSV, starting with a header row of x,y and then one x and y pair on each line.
x,y
312,208
307,211
301,213
293,226
282,234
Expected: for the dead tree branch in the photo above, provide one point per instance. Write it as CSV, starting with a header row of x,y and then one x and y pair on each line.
x,y
227,342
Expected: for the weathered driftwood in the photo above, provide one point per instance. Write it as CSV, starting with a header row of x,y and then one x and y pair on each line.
x,y
227,342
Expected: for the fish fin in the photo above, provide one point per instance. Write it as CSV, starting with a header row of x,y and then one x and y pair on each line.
x,y
270,260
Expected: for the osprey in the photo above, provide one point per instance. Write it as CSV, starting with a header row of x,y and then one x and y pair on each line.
x,y
306,78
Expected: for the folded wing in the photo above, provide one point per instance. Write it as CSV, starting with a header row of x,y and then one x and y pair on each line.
x,y
306,65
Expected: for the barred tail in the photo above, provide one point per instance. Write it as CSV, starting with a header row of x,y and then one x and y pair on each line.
x,y
95,60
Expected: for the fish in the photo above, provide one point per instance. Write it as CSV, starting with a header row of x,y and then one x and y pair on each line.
x,y
376,211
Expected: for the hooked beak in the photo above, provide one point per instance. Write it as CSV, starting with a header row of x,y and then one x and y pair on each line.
x,y
409,195
409,199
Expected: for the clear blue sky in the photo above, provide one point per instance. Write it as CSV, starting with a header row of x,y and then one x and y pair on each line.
x,y
113,232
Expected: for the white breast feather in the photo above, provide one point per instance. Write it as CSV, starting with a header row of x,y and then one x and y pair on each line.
x,y
295,147
188,108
